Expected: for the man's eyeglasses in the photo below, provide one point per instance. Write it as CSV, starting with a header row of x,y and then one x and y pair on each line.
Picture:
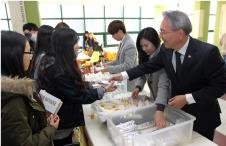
x,y
163,32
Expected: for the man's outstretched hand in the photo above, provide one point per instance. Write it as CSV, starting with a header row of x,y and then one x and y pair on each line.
x,y
116,77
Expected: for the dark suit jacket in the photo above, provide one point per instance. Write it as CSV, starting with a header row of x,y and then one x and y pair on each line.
x,y
203,74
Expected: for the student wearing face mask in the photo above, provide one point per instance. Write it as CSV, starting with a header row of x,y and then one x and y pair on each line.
x,y
148,43
30,31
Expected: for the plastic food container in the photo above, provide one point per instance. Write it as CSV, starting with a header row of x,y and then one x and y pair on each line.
x,y
122,103
179,132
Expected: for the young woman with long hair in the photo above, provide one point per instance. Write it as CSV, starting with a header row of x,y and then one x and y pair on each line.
x,y
64,80
22,112
148,45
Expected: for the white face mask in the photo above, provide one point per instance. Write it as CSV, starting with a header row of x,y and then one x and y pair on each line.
x,y
34,37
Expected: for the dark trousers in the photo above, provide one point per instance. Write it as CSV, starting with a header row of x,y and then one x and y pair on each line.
x,y
67,141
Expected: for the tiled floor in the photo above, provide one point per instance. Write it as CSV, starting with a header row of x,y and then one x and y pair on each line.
x,y
220,134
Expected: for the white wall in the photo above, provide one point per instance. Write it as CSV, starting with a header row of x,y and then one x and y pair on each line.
x,y
18,15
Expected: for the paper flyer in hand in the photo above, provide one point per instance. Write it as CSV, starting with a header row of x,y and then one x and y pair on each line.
x,y
52,104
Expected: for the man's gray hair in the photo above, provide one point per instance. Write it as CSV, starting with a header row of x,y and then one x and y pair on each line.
x,y
178,20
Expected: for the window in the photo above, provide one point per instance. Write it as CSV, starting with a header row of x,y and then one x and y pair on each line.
x,y
96,19
131,12
114,11
72,11
212,19
76,24
54,11
94,11
94,25
6,23
147,23
134,27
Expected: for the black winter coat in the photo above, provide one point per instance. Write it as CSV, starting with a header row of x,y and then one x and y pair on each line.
x,y
60,84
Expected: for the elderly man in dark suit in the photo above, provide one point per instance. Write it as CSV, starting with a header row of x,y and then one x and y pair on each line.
x,y
196,70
